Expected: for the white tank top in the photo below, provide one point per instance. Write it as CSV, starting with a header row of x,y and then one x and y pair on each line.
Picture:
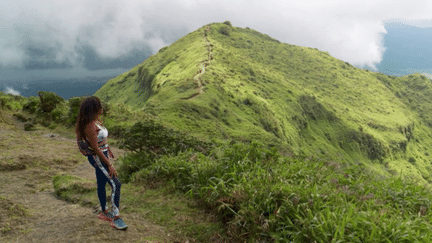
x,y
102,135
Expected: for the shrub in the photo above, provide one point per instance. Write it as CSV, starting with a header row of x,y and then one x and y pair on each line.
x,y
225,30
74,105
315,110
151,136
31,105
151,140
235,185
163,49
29,126
247,102
9,102
116,131
3,101
228,23
20,117
59,113
49,100
367,143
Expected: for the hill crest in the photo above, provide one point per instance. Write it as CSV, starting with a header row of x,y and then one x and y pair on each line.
x,y
229,82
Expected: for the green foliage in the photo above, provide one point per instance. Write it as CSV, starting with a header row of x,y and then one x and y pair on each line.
x,y
74,105
149,70
20,117
151,140
163,49
225,30
29,126
247,102
11,102
228,23
145,78
262,196
272,102
411,160
367,144
315,110
188,84
116,131
60,113
32,104
49,101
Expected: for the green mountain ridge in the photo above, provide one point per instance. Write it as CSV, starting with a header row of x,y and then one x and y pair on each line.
x,y
255,87
336,136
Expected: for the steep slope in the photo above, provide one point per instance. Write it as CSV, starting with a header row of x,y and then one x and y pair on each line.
x,y
229,82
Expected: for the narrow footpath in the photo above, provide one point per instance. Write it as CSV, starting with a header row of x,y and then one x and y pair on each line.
x,y
202,65
31,212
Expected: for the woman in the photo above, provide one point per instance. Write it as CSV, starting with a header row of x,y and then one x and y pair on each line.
x,y
92,142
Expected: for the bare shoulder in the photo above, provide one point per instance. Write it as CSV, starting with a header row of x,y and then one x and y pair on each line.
x,y
91,127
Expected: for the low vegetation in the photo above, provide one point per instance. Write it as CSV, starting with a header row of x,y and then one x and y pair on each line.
x,y
314,150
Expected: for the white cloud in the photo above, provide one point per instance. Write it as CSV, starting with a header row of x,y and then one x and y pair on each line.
x,y
428,75
348,30
10,90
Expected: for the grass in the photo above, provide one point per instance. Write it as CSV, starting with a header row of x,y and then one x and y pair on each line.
x,y
12,215
350,158
163,206
261,195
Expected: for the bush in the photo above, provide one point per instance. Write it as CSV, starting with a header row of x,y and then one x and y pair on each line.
x,y
234,186
151,140
49,101
3,101
225,30
228,23
29,126
20,117
247,102
10,102
59,113
315,110
152,137
367,143
31,105
74,105
163,49
116,131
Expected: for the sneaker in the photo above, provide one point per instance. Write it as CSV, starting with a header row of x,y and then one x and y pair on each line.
x,y
118,224
106,216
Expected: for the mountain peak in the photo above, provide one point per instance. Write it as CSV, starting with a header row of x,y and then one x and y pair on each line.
x,y
230,82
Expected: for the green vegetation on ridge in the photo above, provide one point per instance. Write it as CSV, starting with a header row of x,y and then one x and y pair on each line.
x,y
256,87
319,110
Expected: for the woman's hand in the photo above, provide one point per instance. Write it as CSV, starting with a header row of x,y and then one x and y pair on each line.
x,y
112,172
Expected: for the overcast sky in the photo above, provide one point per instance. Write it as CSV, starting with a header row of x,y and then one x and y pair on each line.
x,y
79,38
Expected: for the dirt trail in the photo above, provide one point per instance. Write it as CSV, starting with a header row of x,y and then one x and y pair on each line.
x,y
202,65
30,210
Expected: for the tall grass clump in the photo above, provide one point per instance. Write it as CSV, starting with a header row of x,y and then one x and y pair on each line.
x,y
149,140
260,195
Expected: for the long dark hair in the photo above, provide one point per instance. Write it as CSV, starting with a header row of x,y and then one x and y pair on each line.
x,y
87,113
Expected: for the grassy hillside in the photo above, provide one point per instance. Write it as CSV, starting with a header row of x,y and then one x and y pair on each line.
x,y
255,87
345,153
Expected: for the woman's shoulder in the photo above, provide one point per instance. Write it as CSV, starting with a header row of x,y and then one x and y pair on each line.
x,y
93,125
